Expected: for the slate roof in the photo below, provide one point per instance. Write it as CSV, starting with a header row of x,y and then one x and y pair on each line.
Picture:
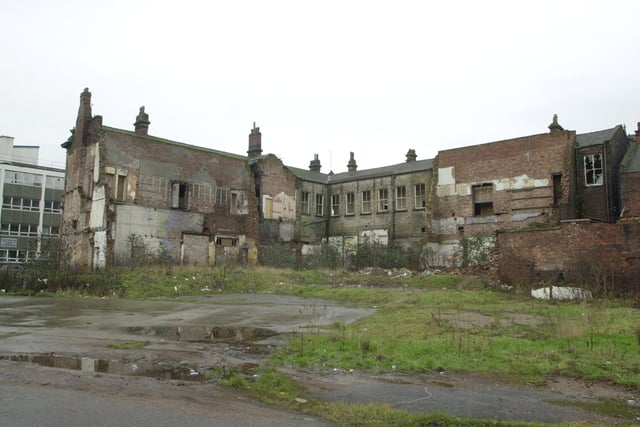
x,y
397,169
631,161
595,138
176,143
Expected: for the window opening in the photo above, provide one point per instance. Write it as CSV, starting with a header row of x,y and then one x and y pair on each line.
x,y
401,197
335,204
351,204
319,205
305,202
420,192
179,195
483,200
557,188
383,200
366,201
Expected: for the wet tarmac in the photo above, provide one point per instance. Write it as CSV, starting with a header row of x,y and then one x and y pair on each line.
x,y
35,325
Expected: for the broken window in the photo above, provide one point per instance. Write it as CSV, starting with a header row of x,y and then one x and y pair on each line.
x,y
593,169
335,204
351,204
383,200
222,196
319,204
420,193
366,201
305,202
483,200
401,197
226,242
179,195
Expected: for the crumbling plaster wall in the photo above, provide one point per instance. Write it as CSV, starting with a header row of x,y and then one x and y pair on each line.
x,y
161,230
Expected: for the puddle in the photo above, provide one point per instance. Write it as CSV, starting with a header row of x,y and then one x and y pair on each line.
x,y
142,368
204,333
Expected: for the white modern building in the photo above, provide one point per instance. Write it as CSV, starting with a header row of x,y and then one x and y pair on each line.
x,y
31,204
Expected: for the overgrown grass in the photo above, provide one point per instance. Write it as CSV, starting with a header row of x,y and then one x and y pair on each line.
x,y
129,345
485,332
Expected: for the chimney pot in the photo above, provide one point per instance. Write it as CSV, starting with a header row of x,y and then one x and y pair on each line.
x,y
255,142
411,155
352,165
142,122
315,166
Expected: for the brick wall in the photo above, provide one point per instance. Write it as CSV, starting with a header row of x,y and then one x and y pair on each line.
x,y
631,194
579,252
521,173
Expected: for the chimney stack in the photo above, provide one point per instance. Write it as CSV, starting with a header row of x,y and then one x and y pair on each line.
x,y
255,142
352,166
554,127
411,155
315,166
142,123
84,116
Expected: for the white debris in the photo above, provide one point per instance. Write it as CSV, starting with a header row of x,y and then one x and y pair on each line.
x,y
560,293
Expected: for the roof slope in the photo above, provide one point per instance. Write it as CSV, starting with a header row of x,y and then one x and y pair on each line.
x,y
595,138
397,169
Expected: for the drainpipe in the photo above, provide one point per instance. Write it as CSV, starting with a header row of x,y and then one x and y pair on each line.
x,y
392,210
605,168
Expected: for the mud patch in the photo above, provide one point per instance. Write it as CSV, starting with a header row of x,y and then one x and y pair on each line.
x,y
203,333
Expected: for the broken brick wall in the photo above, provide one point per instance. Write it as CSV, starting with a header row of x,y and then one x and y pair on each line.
x,y
581,252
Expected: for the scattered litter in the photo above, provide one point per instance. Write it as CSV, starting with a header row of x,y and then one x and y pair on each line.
x,y
427,397
301,400
193,372
205,289
560,293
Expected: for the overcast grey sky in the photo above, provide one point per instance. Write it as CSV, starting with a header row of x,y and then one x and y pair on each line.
x,y
325,77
